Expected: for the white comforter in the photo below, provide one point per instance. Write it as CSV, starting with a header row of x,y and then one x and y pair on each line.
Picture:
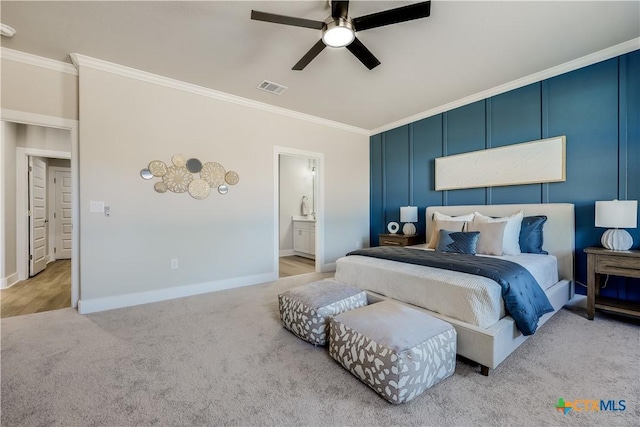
x,y
473,299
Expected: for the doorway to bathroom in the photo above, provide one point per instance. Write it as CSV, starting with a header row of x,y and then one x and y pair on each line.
x,y
298,215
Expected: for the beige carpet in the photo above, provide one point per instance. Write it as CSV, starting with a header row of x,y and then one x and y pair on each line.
x,y
224,359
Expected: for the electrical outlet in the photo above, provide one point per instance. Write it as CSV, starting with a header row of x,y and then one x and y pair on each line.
x,y
174,263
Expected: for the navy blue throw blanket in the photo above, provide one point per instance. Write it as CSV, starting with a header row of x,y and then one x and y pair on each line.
x,y
524,299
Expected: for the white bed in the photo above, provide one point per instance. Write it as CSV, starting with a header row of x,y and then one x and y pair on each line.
x,y
473,304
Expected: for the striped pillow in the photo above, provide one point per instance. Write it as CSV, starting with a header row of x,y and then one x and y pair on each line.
x,y
458,242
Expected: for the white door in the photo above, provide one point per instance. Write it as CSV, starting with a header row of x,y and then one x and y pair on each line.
x,y
37,215
62,214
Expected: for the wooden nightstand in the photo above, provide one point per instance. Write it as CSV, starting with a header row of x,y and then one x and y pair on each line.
x,y
397,240
617,263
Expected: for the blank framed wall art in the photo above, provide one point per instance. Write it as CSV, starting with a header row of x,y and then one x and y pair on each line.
x,y
525,163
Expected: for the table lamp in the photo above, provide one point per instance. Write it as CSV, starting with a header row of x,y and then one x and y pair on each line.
x,y
409,214
616,215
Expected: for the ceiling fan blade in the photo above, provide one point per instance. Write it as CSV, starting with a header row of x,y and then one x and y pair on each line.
x,y
286,20
393,16
308,57
339,9
363,54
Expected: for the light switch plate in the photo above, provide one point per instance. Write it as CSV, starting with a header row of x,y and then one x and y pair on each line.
x,y
96,206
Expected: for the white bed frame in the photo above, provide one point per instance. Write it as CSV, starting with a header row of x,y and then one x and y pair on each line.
x,y
489,347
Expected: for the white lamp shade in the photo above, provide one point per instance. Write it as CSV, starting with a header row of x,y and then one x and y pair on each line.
x,y
617,214
409,214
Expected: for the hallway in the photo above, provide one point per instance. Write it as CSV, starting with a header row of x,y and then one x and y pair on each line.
x,y
49,290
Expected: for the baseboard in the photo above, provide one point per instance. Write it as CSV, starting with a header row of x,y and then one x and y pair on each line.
x,y
327,268
304,255
138,298
10,280
287,252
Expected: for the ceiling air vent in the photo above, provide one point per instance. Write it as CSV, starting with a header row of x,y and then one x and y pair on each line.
x,y
271,87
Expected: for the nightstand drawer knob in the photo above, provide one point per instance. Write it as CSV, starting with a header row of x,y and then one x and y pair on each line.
x,y
390,242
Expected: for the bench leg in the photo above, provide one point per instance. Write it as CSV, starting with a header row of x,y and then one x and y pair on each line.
x,y
484,370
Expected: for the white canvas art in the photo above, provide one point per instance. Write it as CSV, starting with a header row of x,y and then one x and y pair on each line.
x,y
526,163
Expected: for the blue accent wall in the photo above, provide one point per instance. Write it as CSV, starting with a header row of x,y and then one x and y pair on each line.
x,y
596,107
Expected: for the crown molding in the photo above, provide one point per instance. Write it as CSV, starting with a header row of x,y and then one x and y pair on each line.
x,y
121,70
599,56
38,61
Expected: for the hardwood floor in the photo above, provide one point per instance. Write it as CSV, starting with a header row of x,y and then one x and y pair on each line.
x,y
49,290
294,265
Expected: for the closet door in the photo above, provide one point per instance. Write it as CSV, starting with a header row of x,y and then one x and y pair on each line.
x,y
37,215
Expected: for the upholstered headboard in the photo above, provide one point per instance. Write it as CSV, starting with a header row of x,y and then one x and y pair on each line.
x,y
559,230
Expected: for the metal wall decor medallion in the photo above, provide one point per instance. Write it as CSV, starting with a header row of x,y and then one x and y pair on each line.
x,y
189,176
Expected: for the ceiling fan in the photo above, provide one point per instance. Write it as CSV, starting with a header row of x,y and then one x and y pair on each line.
x,y
339,30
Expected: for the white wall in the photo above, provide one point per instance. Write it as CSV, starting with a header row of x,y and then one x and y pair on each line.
x,y
44,138
295,181
39,90
126,123
62,163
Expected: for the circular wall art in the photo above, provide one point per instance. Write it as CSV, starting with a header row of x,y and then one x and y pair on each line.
x,y
160,187
178,160
177,179
189,175
199,189
194,165
393,227
157,168
213,173
146,174
232,178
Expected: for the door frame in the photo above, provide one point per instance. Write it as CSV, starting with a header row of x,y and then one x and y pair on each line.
x,y
22,202
51,174
318,203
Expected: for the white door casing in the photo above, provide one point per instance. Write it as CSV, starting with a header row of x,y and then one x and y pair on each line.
x,y
62,214
318,240
37,215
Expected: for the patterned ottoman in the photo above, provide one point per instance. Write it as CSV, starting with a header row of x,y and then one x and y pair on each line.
x,y
396,350
306,310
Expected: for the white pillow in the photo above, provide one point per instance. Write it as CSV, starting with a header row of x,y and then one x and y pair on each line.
x,y
491,238
511,239
437,216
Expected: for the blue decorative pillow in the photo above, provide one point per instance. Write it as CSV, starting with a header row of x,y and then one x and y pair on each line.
x,y
531,238
458,242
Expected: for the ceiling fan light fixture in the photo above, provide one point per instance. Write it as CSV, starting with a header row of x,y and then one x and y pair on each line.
x,y
338,33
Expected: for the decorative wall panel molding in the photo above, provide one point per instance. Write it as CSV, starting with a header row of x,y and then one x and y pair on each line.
x,y
189,175
526,163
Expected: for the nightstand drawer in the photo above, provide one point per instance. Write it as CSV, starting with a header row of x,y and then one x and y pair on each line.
x,y
391,242
397,240
618,265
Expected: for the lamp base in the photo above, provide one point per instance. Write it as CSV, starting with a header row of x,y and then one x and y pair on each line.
x,y
408,229
617,239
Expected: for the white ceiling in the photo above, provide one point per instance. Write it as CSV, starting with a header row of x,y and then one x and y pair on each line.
x,y
464,47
